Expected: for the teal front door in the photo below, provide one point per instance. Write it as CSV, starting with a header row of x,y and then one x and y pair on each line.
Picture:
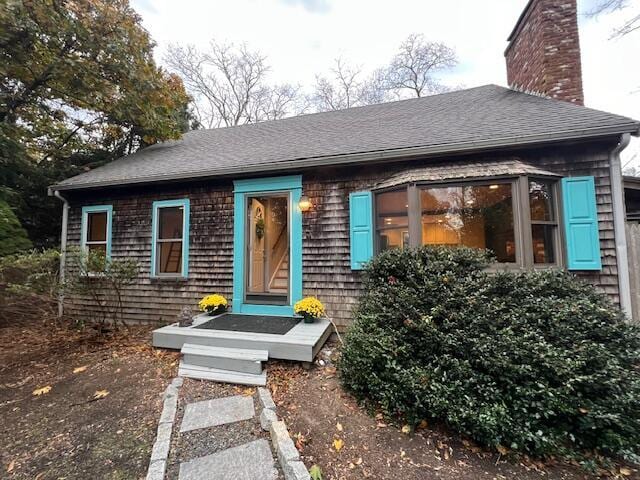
x,y
267,256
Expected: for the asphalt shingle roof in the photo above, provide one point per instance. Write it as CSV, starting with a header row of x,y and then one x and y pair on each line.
x,y
465,120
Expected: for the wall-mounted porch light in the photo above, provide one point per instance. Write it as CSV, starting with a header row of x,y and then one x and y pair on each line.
x,y
305,204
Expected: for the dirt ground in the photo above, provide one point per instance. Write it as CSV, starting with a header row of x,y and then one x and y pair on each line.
x,y
68,432
333,432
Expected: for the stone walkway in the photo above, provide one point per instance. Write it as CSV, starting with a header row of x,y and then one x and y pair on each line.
x,y
215,434
249,461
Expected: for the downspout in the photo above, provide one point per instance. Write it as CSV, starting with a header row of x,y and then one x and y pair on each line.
x,y
619,219
63,248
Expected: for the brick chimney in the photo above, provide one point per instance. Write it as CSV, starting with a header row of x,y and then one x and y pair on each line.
x,y
543,56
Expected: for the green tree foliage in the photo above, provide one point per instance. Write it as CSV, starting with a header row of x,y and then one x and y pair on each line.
x,y
538,362
13,238
78,87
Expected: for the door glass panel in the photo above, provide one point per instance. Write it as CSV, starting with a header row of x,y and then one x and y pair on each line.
x,y
478,216
267,249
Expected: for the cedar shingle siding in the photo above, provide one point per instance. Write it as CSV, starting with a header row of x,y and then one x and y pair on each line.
x,y
326,265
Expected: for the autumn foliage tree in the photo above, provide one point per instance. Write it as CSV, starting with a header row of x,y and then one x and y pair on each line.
x,y
78,87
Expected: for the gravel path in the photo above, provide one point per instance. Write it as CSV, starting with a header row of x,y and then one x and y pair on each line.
x,y
198,443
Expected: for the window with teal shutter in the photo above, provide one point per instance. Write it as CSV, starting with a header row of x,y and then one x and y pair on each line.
x,y
581,223
361,228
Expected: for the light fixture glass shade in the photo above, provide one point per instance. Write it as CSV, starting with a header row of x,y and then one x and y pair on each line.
x,y
304,204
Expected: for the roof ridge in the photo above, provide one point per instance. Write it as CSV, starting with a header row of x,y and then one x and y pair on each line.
x,y
349,109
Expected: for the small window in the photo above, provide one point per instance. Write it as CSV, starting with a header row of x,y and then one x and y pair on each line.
x,y
170,238
544,225
478,216
96,229
392,220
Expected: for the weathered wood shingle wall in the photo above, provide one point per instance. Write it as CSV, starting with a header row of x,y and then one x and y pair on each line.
x,y
326,266
210,256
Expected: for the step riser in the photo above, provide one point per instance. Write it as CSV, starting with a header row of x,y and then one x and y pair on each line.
x,y
214,378
225,376
235,365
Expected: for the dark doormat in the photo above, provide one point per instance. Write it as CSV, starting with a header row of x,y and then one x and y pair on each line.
x,y
251,323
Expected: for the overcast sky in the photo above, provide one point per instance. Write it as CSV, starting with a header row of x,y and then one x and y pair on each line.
x,y
303,37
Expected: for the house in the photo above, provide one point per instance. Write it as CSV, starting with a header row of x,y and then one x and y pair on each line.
x,y
268,213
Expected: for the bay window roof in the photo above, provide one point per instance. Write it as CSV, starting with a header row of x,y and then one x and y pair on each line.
x,y
465,171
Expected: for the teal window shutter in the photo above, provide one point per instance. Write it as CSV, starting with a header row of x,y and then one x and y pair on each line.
x,y
361,228
581,223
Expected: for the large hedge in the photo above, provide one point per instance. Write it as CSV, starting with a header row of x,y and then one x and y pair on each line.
x,y
537,362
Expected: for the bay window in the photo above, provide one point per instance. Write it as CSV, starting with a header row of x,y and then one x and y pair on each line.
x,y
515,218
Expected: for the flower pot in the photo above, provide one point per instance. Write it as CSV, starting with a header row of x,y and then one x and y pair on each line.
x,y
217,311
308,319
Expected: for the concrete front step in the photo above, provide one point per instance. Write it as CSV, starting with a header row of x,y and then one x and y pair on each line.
x,y
218,375
234,359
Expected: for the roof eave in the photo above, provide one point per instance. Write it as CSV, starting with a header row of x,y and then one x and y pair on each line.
x,y
378,155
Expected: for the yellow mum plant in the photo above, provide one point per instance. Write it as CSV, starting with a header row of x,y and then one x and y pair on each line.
x,y
213,304
310,308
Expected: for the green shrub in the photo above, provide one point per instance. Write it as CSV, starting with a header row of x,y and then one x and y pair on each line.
x,y
13,238
29,286
538,362
32,272
93,276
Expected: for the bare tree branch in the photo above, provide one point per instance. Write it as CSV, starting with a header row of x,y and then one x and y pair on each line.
x,y
339,90
414,67
632,23
229,85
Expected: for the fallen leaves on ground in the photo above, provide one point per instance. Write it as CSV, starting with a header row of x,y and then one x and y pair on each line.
x,y
315,473
339,426
247,392
502,450
338,444
100,394
406,429
625,471
11,466
41,391
80,369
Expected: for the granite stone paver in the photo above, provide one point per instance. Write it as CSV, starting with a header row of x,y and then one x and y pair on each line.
x,y
251,461
219,411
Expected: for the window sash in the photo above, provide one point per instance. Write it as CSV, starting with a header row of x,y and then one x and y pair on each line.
x,y
183,263
557,238
481,183
86,213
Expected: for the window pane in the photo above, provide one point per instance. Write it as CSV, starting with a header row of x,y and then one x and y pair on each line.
x,y
479,216
170,222
543,244
541,201
392,220
170,257
393,238
97,227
